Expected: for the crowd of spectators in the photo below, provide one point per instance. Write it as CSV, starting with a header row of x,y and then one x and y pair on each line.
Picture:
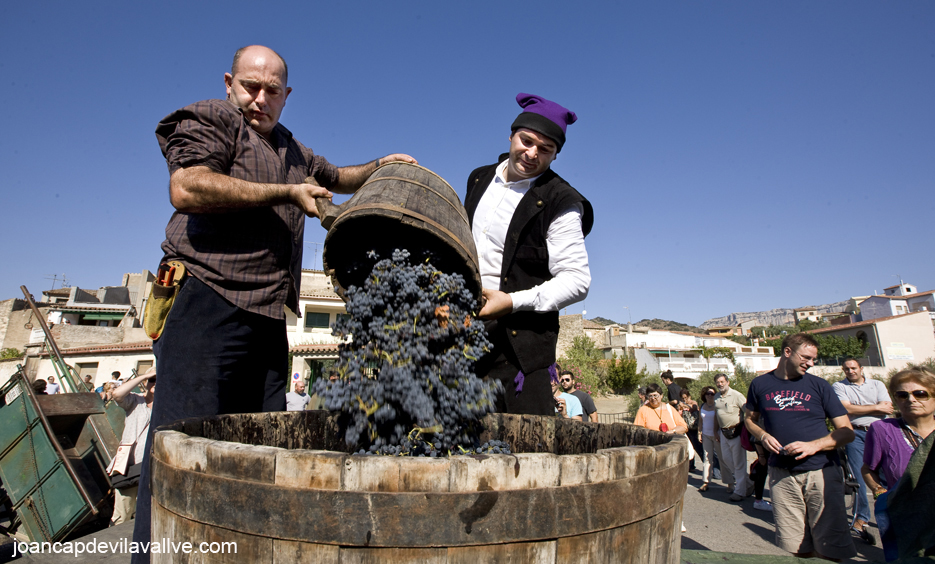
x,y
795,424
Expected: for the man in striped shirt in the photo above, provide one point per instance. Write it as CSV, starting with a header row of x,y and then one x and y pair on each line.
x,y
237,183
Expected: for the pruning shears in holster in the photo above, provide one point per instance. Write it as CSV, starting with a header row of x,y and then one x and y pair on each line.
x,y
169,279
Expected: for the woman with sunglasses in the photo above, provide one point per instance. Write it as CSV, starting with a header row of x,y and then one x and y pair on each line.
x,y
891,442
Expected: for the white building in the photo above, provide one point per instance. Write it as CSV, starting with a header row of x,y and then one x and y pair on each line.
x,y
311,344
876,307
901,289
683,352
892,342
99,361
809,313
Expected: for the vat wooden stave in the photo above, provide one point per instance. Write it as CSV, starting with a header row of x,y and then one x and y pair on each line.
x,y
284,505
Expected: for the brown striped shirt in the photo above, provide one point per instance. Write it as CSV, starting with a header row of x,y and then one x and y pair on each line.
x,y
252,257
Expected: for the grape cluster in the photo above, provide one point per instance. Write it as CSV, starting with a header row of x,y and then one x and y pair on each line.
x,y
406,382
493,447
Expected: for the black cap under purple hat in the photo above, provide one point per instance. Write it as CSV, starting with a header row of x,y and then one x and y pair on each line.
x,y
543,116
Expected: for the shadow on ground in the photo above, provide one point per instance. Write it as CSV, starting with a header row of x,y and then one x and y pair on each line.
x,y
689,544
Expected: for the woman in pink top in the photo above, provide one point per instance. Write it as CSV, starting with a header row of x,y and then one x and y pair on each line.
x,y
659,416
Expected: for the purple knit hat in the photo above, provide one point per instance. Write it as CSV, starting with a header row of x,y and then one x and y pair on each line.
x,y
543,116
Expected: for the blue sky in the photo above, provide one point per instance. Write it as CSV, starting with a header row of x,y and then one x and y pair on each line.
x,y
740,156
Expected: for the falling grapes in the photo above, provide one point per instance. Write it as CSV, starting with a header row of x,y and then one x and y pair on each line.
x,y
406,382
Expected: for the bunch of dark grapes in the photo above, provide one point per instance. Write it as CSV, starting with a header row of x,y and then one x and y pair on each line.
x,y
493,447
406,382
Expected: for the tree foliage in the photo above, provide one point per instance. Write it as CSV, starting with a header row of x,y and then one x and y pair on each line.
x,y
836,346
772,330
10,353
830,346
596,374
583,360
716,352
928,364
621,373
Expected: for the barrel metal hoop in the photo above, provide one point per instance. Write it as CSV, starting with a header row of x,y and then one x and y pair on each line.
x,y
459,209
410,519
414,215
432,172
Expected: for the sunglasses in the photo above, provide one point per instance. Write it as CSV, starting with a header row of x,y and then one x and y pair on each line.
x,y
565,380
920,395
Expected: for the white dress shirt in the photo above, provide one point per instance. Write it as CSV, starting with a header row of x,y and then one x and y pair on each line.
x,y
568,258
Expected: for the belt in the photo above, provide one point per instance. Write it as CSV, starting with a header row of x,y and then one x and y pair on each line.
x,y
861,427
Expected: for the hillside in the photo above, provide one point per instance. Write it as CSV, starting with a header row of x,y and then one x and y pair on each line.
x,y
666,325
659,324
778,316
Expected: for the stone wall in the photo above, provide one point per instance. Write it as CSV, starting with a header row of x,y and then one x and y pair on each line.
x,y
569,327
6,308
71,336
20,323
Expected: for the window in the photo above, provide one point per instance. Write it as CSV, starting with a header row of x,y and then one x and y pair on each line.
x,y
87,369
143,365
315,320
342,316
862,337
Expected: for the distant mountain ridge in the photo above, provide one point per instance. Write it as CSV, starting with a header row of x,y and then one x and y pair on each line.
x,y
658,324
778,316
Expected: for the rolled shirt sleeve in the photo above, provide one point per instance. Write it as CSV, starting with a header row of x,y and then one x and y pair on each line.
x,y
568,264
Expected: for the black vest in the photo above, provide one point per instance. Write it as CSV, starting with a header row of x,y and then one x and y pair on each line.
x,y
532,336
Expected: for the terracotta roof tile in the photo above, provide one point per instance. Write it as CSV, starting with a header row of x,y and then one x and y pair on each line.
x,y
705,335
324,294
58,292
917,294
103,308
140,346
315,349
861,323
906,297
588,324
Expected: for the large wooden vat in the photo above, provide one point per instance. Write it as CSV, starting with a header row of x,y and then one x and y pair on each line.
x,y
277,485
401,206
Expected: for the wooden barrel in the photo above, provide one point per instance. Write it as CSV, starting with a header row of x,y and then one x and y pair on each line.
x,y
278,486
401,206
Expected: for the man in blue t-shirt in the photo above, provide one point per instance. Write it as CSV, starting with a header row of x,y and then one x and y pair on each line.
x,y
786,411
566,405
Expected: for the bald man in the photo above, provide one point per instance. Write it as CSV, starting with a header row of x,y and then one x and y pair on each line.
x,y
236,183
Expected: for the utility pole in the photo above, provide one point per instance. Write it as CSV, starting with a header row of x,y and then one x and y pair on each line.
x,y
54,278
315,247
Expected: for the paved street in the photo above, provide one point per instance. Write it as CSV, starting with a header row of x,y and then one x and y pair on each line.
x,y
714,523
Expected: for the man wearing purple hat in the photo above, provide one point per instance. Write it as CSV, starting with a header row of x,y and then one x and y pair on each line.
x,y
529,226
